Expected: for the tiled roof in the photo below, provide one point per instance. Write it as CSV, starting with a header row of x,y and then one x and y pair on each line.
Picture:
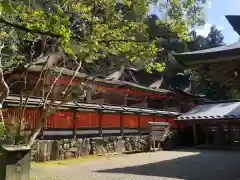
x,y
14,100
212,50
229,110
100,81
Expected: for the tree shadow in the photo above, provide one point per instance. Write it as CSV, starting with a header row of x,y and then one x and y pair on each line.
x,y
207,165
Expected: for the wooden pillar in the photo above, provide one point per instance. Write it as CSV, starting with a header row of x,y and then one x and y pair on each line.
x,y
145,102
139,124
89,96
100,123
206,134
121,123
125,100
230,135
194,134
74,114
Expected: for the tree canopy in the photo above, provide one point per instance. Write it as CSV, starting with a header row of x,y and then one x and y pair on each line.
x,y
214,38
89,30
86,31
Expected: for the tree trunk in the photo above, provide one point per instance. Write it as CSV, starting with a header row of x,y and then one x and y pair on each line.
x,y
33,136
4,89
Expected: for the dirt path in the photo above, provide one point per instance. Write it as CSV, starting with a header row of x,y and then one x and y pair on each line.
x,y
189,165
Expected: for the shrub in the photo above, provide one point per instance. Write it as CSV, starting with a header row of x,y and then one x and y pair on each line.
x,y
12,133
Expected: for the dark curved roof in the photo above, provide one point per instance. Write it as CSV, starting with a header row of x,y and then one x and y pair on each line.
x,y
221,64
211,53
162,83
155,80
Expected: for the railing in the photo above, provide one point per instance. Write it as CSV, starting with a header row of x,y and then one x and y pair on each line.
x,y
77,119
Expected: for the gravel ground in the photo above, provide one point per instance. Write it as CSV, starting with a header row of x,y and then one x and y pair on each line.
x,y
165,165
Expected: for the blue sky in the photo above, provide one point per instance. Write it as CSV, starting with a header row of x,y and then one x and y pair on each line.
x,y
215,12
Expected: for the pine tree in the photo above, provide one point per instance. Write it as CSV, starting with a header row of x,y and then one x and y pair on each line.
x,y
215,37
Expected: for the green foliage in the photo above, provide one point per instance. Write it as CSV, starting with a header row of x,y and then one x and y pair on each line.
x,y
89,30
2,129
215,37
182,14
235,94
12,133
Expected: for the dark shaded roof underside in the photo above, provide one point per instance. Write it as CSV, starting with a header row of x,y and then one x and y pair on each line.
x,y
221,64
234,20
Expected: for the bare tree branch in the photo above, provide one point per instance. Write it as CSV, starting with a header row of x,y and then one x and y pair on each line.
x,y
47,111
34,88
74,75
41,121
3,86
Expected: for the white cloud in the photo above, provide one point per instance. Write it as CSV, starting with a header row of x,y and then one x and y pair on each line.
x,y
220,27
209,4
204,30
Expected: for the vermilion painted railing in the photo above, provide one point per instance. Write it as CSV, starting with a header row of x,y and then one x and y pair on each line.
x,y
62,122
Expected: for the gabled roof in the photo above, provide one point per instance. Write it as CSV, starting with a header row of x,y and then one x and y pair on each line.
x,y
157,84
212,53
126,77
156,80
208,54
98,81
214,111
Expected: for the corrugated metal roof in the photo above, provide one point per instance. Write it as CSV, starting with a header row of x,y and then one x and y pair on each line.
x,y
213,111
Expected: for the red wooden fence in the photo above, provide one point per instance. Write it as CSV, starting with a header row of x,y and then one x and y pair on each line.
x,y
90,120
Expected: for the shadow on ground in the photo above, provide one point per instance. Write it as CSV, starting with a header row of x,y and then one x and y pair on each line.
x,y
207,165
